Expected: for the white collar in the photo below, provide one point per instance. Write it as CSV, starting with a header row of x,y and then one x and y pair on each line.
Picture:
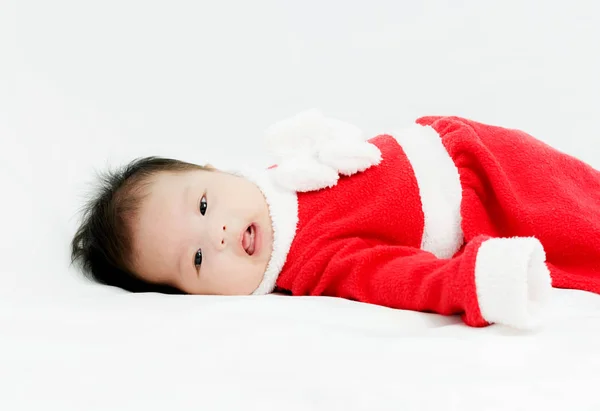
x,y
283,210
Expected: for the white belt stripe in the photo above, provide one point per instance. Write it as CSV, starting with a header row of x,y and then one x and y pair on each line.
x,y
439,188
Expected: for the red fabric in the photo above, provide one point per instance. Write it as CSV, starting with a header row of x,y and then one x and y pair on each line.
x,y
391,275
361,239
516,185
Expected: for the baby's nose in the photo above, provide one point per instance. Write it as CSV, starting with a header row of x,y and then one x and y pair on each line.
x,y
221,238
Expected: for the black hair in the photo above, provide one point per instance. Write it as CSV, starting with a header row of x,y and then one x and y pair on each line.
x,y
102,244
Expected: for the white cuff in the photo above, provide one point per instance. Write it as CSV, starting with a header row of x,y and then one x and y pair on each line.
x,y
513,282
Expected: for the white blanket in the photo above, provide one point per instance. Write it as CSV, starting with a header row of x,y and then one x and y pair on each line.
x,y
110,350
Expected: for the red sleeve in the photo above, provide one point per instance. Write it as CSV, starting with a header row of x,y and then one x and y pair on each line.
x,y
490,281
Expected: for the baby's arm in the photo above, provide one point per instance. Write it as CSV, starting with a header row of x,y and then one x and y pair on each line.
x,y
492,281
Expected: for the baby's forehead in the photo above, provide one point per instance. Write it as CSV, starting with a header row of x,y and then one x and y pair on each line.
x,y
171,179
165,188
160,206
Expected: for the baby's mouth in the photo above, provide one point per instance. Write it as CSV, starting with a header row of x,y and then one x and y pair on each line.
x,y
248,238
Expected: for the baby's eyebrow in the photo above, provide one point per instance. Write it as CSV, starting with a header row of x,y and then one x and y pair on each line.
x,y
180,264
182,254
186,193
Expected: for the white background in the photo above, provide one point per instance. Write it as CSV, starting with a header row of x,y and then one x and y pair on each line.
x,y
87,84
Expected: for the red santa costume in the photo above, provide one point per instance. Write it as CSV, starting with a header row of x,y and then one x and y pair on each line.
x,y
448,216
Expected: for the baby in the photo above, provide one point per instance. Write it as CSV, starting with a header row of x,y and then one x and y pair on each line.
x,y
449,216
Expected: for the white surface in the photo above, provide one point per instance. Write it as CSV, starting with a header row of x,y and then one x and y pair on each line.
x,y
86,84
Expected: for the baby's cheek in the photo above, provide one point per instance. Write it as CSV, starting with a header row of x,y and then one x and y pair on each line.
x,y
255,279
246,278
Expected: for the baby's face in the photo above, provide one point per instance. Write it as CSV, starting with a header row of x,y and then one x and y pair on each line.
x,y
203,232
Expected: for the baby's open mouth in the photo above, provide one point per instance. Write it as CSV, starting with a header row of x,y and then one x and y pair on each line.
x,y
248,239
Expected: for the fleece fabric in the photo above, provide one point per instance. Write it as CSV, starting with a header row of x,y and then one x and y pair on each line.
x,y
453,217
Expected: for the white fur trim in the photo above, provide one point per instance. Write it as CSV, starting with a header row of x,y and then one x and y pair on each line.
x,y
311,150
349,156
513,282
302,134
439,188
283,209
304,174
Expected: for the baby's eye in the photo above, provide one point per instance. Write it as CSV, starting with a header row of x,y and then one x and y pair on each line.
x,y
203,205
198,258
